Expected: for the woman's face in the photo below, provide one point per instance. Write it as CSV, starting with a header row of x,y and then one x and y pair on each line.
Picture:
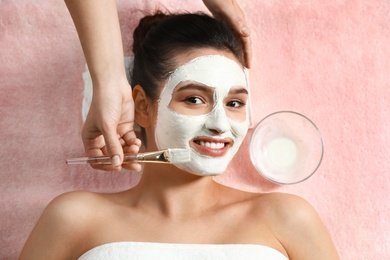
x,y
202,107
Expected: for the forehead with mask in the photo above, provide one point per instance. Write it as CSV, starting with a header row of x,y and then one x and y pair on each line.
x,y
213,136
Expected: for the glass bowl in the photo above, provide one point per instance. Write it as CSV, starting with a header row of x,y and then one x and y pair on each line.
x,y
286,147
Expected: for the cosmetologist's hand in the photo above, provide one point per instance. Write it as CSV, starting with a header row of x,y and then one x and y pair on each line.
x,y
109,127
230,11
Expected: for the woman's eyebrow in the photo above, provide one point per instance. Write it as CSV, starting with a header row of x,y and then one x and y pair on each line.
x,y
196,87
239,91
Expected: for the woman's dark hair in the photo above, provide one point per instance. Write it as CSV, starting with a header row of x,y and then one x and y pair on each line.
x,y
160,37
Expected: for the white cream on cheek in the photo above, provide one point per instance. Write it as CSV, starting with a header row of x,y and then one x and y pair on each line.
x,y
174,130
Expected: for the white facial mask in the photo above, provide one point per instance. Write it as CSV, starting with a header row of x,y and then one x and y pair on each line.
x,y
174,130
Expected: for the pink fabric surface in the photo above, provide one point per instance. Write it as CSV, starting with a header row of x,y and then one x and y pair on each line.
x,y
329,60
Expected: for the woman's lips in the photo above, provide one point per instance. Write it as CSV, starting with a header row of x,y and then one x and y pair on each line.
x,y
211,146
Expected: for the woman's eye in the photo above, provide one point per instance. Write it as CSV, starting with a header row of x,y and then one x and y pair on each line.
x,y
236,104
194,100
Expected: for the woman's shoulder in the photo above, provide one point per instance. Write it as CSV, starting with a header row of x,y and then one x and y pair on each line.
x,y
284,207
276,206
73,209
78,210
279,211
281,202
76,201
297,225
66,219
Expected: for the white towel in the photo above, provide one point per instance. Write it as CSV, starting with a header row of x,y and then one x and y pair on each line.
x,y
148,250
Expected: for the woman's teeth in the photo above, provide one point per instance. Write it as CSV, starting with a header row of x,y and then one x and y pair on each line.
x,y
212,145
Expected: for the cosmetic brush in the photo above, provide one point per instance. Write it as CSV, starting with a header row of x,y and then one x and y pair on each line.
x,y
176,155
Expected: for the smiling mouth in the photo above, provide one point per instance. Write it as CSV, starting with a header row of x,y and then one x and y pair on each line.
x,y
211,147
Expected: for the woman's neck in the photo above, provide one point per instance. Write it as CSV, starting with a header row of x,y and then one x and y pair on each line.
x,y
173,193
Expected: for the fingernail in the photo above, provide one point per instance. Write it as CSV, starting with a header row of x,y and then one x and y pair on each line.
x,y
115,161
244,30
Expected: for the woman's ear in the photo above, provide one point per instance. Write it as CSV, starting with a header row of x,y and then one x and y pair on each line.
x,y
142,106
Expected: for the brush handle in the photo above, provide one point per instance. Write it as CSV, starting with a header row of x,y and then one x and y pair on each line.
x,y
148,157
100,160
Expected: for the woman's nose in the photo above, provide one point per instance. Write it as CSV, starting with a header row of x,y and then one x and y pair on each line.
x,y
217,121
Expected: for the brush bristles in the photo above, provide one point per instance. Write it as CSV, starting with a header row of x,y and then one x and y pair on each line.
x,y
178,155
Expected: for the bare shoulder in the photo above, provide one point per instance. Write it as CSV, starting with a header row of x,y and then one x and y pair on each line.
x,y
73,209
65,220
76,202
297,225
282,205
280,208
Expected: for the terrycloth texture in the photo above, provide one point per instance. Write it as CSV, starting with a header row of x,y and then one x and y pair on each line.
x,y
329,60
145,251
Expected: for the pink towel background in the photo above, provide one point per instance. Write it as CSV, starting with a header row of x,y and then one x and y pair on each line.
x,y
329,60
